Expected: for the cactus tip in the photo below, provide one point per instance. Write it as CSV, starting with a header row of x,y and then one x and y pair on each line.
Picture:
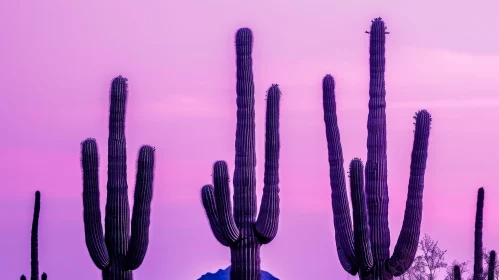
x,y
220,164
328,79
120,79
244,36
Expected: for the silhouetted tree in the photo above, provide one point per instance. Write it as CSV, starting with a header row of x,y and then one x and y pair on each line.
x,y
427,263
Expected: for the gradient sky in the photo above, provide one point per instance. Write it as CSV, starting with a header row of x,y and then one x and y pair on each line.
x,y
57,60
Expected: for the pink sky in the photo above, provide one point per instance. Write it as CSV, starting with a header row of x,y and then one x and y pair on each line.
x,y
58,58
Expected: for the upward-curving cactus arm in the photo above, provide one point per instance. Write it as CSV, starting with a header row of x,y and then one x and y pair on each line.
x,y
267,222
222,198
360,218
44,276
407,243
23,277
210,206
94,235
216,201
139,239
341,211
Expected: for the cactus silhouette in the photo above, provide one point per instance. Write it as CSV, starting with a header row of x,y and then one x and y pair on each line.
x,y
492,265
34,240
118,252
478,250
240,231
44,276
457,273
366,248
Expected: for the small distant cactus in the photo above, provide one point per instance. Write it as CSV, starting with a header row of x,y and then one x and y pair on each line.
x,y
457,273
366,248
478,248
34,241
492,265
117,253
240,231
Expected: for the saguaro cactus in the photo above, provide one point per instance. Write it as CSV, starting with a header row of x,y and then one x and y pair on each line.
x,y
240,231
366,248
457,272
34,241
118,252
478,250
492,265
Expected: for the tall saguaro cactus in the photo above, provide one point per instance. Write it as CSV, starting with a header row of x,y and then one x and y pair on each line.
x,y
478,249
34,241
119,251
242,232
366,248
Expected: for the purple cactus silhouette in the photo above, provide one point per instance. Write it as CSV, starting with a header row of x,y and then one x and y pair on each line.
x,y
240,231
478,250
119,251
457,273
492,265
366,248
34,241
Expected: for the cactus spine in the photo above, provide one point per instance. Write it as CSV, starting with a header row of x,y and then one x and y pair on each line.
x,y
119,251
366,248
478,250
34,241
241,232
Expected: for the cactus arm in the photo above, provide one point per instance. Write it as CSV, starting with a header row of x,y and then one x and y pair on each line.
x,y
492,265
360,219
141,216
44,276
376,165
267,222
23,277
94,237
34,238
407,243
117,219
457,272
210,207
245,159
341,211
222,198
478,262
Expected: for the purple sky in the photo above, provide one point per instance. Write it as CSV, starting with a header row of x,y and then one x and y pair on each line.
x,y
58,58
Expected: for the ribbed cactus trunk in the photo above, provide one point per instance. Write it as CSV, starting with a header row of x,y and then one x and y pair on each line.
x,y
366,248
492,265
457,272
119,251
35,274
478,250
241,231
